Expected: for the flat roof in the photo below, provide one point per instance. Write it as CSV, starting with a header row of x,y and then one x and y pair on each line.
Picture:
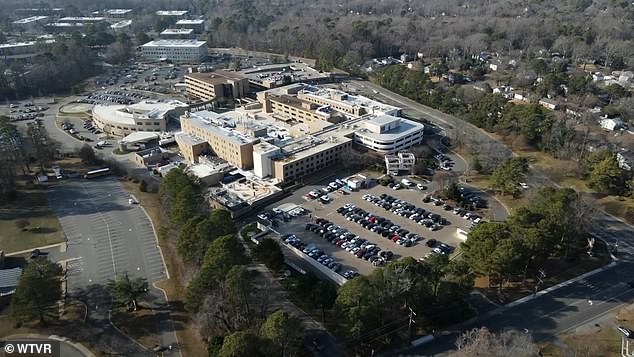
x,y
82,19
139,136
341,97
175,43
120,24
275,73
405,128
177,31
189,138
190,22
223,125
66,24
171,12
118,11
147,109
29,20
216,76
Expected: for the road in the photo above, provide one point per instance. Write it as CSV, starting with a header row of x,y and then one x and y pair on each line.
x,y
106,237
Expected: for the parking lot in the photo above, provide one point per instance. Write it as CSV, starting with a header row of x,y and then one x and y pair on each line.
x,y
372,230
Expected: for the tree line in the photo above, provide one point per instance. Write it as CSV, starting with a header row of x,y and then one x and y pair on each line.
x,y
554,225
229,307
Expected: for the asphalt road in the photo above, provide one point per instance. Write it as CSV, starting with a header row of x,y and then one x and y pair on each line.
x,y
106,237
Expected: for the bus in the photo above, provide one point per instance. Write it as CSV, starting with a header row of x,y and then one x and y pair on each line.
x,y
97,173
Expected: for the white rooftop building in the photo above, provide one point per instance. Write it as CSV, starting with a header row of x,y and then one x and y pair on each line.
x,y
389,134
118,12
82,19
29,20
198,25
187,51
175,13
121,25
177,34
145,116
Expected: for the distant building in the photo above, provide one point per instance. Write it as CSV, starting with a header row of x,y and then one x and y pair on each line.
x,y
44,11
64,27
549,103
611,123
172,13
83,19
118,13
19,51
177,34
216,85
122,26
30,23
625,159
180,51
198,25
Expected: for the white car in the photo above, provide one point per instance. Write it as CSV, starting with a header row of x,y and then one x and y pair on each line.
x,y
397,186
277,210
420,186
626,332
325,198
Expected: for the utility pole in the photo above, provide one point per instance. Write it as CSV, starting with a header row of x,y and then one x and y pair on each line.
x,y
409,326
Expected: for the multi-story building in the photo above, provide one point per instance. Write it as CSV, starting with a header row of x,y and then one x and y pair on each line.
x,y
223,137
177,34
122,26
181,51
172,13
44,11
148,115
216,85
82,19
118,13
20,51
30,23
198,25
388,134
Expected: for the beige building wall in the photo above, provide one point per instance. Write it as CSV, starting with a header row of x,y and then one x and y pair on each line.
x,y
226,148
336,104
293,169
207,86
191,151
301,114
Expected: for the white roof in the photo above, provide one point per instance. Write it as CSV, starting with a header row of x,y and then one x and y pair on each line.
x,y
177,31
190,22
140,136
118,11
121,24
29,20
175,43
82,19
147,109
171,13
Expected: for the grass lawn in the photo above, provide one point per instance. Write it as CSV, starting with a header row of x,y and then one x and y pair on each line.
x,y
556,270
140,325
622,207
43,228
482,182
188,337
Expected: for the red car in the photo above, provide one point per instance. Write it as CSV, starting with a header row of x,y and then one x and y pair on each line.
x,y
396,238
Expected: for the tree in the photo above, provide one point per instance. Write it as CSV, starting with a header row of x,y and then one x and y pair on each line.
x,y
481,342
126,291
507,176
284,330
38,292
323,295
198,232
606,176
87,154
241,343
143,186
140,37
270,253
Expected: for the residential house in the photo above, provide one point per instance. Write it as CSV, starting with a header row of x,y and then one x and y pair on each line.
x,y
625,159
611,123
548,103
8,283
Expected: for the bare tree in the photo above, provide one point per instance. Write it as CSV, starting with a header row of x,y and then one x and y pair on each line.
x,y
483,343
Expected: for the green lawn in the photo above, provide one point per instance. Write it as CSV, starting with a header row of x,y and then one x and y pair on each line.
x,y
43,228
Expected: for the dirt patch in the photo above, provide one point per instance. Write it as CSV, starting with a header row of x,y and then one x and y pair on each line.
x,y
621,207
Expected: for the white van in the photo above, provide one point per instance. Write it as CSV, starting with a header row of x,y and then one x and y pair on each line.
x,y
407,183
